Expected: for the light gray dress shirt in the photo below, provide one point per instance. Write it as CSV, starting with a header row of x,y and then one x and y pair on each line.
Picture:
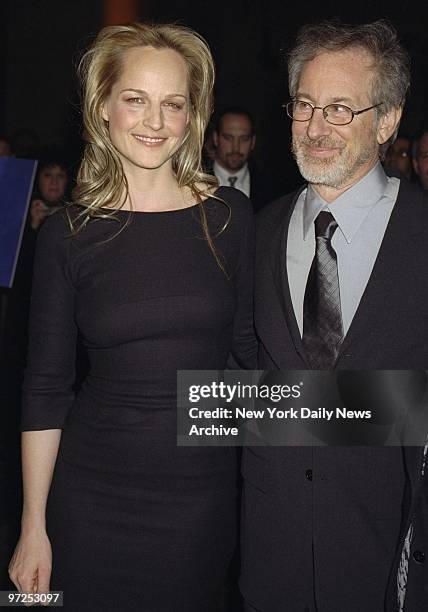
x,y
362,214
242,178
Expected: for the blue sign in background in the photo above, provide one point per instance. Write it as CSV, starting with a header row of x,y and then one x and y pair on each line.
x,y
16,183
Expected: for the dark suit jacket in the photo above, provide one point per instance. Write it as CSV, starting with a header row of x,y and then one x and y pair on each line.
x,y
332,521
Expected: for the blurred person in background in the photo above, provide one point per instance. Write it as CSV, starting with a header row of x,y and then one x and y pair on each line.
x,y
398,158
234,139
420,159
50,190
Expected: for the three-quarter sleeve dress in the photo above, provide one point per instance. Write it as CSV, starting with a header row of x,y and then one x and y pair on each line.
x,y
136,522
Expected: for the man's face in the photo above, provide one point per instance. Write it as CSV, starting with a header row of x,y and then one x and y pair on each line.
x,y
334,157
420,163
398,157
234,142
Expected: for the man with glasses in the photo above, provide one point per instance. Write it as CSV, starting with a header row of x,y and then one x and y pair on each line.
x,y
341,284
420,159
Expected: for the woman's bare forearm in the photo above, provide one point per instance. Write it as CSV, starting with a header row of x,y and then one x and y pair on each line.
x,y
39,453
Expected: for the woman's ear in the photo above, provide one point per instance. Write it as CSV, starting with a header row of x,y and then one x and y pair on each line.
x,y
104,112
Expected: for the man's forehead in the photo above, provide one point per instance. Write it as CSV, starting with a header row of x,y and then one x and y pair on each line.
x,y
342,73
234,122
356,55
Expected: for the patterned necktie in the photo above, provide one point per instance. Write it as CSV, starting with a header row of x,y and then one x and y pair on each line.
x,y
232,180
322,315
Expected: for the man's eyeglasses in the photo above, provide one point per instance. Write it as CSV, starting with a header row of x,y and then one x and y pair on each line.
x,y
336,114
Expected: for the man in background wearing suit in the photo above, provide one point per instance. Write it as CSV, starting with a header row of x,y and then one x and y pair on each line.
x,y
341,283
234,140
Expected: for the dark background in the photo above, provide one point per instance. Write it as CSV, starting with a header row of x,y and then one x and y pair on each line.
x,y
43,40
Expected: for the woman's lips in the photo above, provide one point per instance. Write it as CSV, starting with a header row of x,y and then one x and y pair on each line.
x,y
150,141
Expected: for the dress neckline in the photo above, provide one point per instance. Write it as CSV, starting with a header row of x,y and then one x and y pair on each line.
x,y
162,212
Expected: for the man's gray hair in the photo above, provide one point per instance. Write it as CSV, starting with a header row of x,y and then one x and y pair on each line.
x,y
391,62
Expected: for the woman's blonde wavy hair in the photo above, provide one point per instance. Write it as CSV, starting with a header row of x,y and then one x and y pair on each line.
x,y
101,181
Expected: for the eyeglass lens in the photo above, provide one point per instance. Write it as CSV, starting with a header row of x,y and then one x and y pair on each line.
x,y
333,113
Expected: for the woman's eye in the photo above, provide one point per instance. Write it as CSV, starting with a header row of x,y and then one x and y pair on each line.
x,y
135,100
173,105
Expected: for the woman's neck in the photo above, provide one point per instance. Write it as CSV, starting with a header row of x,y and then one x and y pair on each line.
x,y
155,190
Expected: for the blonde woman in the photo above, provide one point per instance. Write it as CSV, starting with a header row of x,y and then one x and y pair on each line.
x,y
151,267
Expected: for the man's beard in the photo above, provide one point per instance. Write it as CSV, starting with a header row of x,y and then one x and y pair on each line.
x,y
335,171
234,162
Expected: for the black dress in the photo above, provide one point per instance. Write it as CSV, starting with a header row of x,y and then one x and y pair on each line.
x,y
137,523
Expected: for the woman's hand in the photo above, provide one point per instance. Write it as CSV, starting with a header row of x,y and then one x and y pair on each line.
x,y
31,564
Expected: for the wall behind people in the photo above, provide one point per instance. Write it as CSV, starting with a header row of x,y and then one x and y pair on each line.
x,y
3,63
43,40
246,36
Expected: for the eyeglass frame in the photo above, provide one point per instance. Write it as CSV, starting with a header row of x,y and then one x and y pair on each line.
x,y
286,105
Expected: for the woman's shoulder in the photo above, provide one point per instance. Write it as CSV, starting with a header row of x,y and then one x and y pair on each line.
x,y
73,218
59,222
234,197
60,227
238,204
230,215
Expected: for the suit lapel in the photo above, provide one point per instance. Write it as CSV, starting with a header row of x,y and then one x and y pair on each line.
x,y
282,281
274,315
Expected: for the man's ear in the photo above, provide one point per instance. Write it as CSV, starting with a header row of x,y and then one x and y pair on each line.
x,y
388,124
215,138
253,141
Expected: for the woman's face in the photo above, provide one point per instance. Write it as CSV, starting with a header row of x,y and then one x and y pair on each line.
x,y
148,108
52,183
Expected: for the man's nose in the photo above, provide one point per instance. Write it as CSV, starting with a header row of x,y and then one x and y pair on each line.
x,y
318,126
236,145
153,117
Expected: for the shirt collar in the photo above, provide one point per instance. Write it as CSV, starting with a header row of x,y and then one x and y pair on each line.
x,y
223,174
352,207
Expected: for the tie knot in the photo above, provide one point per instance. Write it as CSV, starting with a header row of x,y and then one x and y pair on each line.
x,y
232,180
325,225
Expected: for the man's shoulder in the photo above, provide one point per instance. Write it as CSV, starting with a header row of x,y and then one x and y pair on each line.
x,y
411,210
411,191
273,213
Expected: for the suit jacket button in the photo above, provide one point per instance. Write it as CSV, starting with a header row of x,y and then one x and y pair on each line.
x,y
419,556
308,475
